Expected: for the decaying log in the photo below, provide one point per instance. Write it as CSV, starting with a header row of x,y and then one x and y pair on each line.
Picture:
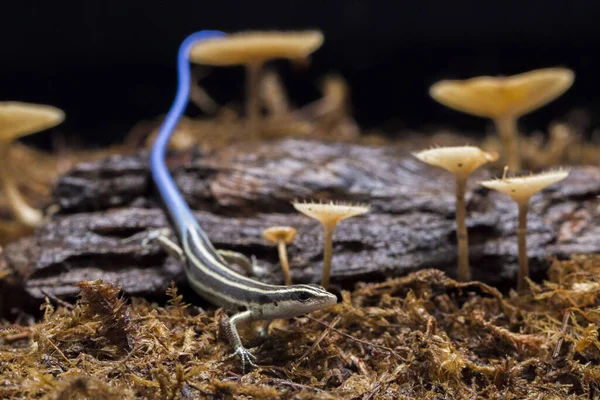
x,y
241,190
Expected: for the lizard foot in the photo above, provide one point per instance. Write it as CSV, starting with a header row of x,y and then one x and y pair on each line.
x,y
245,357
161,236
257,269
155,234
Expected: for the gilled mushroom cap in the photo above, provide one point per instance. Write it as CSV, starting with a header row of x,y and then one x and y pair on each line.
x,y
20,119
523,187
275,234
494,97
247,47
328,213
460,160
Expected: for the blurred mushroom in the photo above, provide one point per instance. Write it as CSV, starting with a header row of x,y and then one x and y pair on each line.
x,y
4,271
520,189
18,120
562,139
273,94
281,236
199,96
253,49
504,100
329,214
460,161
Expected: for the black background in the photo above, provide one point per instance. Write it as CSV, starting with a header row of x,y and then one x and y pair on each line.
x,y
109,64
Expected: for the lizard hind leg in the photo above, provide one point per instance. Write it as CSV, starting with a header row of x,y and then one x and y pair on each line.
x,y
249,265
162,237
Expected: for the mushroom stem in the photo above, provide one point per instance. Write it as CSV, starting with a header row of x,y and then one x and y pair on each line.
x,y
522,238
327,253
507,130
252,98
11,230
463,272
23,212
285,266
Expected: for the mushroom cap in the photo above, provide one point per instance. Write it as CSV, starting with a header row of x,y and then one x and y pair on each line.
x,y
459,160
21,119
510,96
330,213
275,234
248,47
523,187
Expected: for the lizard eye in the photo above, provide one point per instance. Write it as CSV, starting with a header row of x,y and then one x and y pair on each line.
x,y
303,296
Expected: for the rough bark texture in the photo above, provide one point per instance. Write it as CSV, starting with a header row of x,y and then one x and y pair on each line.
x,y
239,191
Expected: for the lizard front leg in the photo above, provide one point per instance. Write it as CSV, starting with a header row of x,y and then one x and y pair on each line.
x,y
230,330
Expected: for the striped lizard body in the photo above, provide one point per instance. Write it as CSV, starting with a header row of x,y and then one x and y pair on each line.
x,y
206,269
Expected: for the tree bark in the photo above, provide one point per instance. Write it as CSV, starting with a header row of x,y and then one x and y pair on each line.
x,y
239,191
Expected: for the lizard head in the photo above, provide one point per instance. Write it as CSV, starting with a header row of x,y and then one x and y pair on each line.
x,y
298,300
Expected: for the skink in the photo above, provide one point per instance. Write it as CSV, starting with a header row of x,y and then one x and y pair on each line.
x,y
208,271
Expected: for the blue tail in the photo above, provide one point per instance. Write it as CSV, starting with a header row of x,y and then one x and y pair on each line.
x,y
176,206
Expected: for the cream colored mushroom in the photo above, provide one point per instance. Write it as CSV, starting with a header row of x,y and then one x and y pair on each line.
x,y
520,189
18,120
329,214
460,161
253,49
281,236
4,272
504,100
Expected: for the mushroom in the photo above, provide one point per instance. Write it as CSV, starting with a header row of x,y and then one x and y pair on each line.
x,y
460,161
4,272
520,189
18,120
504,100
329,214
253,49
281,236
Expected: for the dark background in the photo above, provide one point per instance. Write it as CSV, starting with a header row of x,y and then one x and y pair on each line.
x,y
110,64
